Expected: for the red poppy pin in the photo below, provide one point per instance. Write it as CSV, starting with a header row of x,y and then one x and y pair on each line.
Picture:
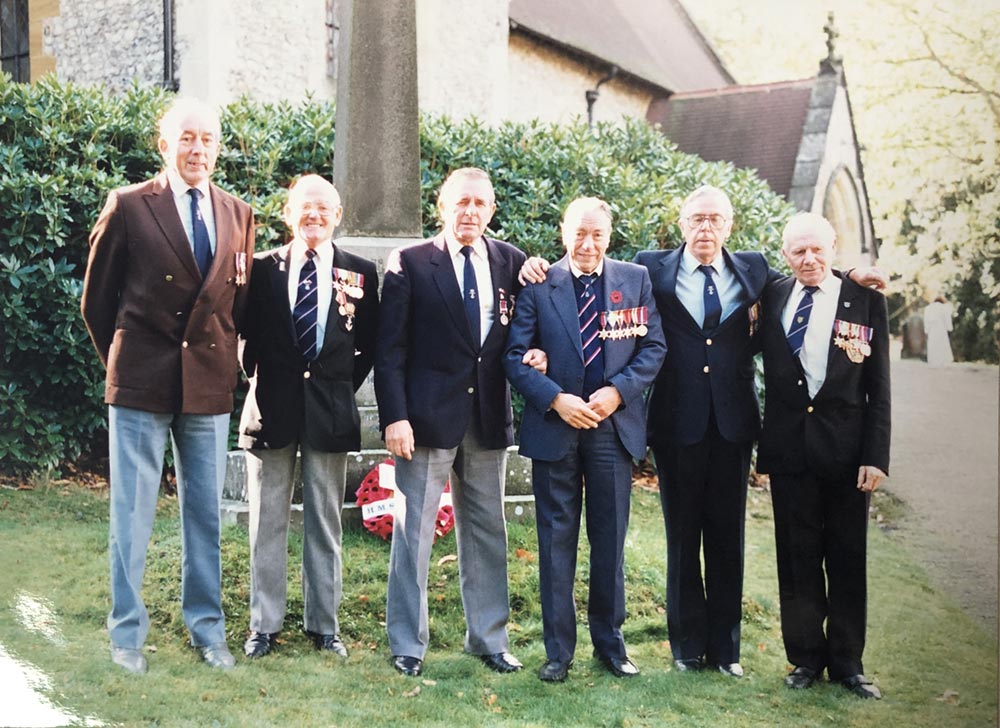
x,y
616,296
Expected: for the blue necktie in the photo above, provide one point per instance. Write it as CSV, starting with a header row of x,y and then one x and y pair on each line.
x,y
202,245
306,303
797,329
470,295
590,342
713,306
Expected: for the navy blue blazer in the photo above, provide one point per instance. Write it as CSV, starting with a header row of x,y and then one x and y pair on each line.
x,y
428,369
547,318
291,398
847,424
705,372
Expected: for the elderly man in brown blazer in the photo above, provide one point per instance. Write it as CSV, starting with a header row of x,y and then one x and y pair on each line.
x,y
165,284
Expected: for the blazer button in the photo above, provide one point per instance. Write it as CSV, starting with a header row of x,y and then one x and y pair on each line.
x,y
211,346
184,344
800,382
705,369
168,278
180,313
708,342
809,409
306,375
472,390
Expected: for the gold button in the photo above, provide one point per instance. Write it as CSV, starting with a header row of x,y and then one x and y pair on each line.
x,y
184,344
211,346
472,390
168,278
800,382
708,342
809,408
180,313
705,369
306,375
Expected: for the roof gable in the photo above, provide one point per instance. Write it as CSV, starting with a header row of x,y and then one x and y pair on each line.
x,y
759,127
655,41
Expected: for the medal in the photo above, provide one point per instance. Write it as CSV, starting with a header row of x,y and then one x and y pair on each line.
x,y
641,330
241,268
504,320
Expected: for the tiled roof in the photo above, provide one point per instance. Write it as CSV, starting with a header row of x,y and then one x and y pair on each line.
x,y
759,127
653,40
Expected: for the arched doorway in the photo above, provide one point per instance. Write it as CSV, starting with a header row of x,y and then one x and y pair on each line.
x,y
841,206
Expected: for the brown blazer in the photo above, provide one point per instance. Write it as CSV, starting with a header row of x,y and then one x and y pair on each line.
x,y
166,338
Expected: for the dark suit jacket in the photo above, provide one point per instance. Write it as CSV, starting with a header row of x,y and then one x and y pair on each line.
x,y
705,373
166,337
428,370
547,318
847,424
291,398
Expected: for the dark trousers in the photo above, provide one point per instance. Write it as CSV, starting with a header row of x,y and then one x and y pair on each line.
x,y
703,491
600,465
820,532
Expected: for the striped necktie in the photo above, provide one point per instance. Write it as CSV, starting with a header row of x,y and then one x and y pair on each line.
x,y
797,331
306,303
590,342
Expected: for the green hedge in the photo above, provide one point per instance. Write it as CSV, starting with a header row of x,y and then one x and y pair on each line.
x,y
62,148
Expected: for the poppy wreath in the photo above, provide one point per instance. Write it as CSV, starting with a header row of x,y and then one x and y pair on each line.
x,y
377,517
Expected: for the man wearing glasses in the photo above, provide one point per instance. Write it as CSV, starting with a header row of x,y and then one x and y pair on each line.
x,y
703,420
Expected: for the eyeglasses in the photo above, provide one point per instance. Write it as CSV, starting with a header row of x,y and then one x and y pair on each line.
x,y
715,221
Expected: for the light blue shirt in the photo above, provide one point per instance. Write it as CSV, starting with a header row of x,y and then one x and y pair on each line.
x,y
182,200
691,286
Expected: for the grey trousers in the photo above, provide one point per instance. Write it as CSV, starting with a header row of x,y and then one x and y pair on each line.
x,y
270,485
477,485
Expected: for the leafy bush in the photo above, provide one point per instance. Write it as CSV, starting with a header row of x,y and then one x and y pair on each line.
x,y
63,148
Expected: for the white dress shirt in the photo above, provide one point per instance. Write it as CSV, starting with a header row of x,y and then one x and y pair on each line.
x,y
691,286
324,281
819,330
182,200
484,279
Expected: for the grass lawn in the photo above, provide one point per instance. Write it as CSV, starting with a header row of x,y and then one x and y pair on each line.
x,y
934,665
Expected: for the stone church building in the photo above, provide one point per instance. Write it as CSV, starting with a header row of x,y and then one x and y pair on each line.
x,y
555,60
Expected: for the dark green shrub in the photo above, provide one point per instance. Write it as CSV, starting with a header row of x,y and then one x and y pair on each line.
x,y
63,148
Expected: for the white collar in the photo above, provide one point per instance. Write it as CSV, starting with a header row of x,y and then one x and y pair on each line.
x,y
690,264
577,272
180,188
324,251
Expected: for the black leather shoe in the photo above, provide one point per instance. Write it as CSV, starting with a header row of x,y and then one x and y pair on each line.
x,y
501,662
619,666
329,643
732,669
862,687
409,666
801,677
259,644
692,664
554,671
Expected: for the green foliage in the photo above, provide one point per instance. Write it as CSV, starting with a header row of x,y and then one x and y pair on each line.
x,y
63,148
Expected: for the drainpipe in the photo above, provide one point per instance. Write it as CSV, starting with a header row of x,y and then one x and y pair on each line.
x,y
169,82
592,94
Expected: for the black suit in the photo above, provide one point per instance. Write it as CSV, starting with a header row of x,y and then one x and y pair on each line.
x,y
296,405
812,448
703,418
284,404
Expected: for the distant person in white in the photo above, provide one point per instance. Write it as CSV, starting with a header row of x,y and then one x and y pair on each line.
x,y
937,326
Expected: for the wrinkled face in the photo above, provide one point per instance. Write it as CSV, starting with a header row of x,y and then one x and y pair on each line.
x,y
809,254
313,211
706,222
586,234
191,148
467,207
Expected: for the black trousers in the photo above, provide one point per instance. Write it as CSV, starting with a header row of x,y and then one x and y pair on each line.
x,y
820,532
599,465
703,491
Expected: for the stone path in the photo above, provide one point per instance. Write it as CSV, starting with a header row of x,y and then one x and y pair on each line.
x,y
944,467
